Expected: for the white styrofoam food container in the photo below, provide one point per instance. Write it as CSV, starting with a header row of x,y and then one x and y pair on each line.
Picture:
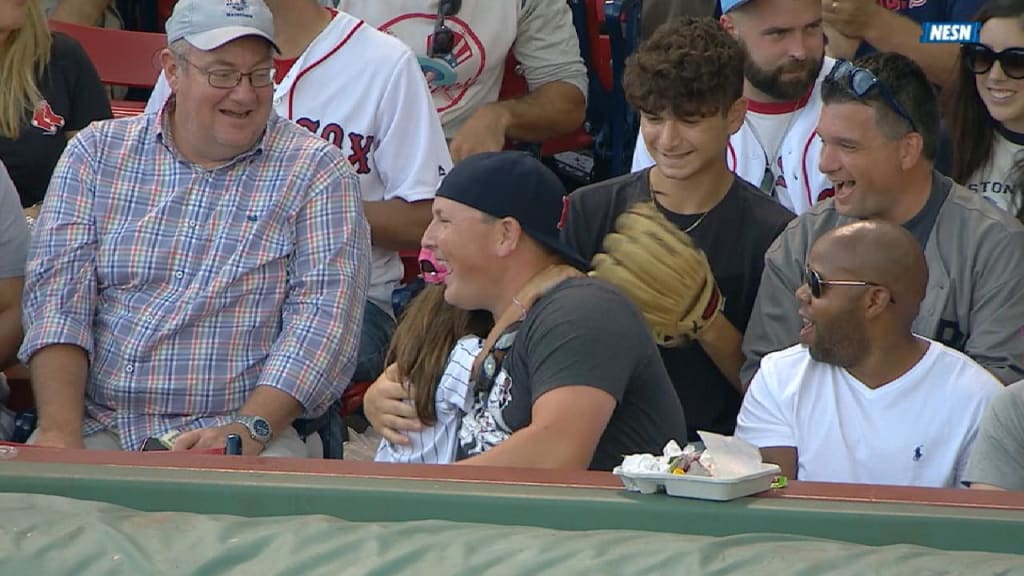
x,y
702,487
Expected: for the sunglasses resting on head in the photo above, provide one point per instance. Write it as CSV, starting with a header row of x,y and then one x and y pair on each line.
x,y
861,81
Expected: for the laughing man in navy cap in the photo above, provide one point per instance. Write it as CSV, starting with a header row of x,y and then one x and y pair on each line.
x,y
578,381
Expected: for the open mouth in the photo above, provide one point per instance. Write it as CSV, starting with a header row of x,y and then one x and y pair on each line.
x,y
236,115
432,274
806,330
844,188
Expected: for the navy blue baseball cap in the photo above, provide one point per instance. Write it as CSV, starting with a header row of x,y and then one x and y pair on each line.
x,y
727,5
511,184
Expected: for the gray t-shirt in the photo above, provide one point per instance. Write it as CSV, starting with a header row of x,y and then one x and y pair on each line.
x,y
998,454
14,233
583,332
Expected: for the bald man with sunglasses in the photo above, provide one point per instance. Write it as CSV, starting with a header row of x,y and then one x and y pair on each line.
x,y
879,128
862,399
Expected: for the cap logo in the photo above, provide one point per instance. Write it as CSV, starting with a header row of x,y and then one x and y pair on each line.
x,y
565,213
238,8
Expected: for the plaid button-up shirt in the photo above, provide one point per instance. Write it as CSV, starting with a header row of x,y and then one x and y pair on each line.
x,y
189,287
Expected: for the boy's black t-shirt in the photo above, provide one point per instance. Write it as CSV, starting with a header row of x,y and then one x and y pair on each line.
x,y
72,98
735,235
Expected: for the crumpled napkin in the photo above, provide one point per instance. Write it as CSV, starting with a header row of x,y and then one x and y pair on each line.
x,y
722,457
729,456
638,463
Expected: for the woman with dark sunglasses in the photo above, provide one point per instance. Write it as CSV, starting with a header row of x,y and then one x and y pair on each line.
x,y
987,108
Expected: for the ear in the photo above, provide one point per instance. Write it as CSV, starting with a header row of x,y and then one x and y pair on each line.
x,y
737,112
728,24
911,150
171,70
507,235
879,298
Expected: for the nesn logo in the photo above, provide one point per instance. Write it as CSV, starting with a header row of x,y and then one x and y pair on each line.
x,y
951,32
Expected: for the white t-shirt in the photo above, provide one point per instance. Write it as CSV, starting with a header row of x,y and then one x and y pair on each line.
x,y
993,179
539,33
437,444
916,430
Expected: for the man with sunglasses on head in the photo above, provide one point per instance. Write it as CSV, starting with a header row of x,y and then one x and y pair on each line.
x,y
462,46
879,128
362,91
200,271
862,398
775,148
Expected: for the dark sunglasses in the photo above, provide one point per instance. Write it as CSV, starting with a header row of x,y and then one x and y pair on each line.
x,y
442,41
860,81
814,281
979,59
491,366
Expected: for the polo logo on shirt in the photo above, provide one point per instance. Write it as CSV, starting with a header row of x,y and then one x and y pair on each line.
x,y
46,119
918,453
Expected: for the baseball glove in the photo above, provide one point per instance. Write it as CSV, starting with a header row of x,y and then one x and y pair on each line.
x,y
663,271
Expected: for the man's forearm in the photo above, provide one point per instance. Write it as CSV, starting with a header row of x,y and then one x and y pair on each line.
x,y
83,12
59,373
723,344
552,110
532,447
277,407
396,224
891,32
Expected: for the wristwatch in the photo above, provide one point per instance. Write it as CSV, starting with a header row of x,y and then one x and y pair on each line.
x,y
259,429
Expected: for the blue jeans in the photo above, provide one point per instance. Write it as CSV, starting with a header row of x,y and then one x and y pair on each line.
x,y
377,329
378,326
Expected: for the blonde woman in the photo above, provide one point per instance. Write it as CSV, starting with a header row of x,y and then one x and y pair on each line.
x,y
50,92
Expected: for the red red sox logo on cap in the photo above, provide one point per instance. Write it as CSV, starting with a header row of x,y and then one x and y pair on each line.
x,y
46,119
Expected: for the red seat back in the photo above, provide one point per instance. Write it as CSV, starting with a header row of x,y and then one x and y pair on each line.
x,y
121,57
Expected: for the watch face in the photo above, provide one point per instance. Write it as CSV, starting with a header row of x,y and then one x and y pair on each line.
x,y
261,427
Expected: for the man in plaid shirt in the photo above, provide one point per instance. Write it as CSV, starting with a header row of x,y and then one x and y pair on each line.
x,y
202,269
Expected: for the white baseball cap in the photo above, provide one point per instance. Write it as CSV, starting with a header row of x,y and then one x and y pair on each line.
x,y
210,24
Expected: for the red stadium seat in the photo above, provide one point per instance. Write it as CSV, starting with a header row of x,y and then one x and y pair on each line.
x,y
121,57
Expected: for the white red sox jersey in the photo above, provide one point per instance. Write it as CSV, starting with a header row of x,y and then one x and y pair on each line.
x,y
438,443
539,33
796,181
364,92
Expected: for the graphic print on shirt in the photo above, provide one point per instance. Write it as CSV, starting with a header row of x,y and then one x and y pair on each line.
x,y
361,146
46,119
468,56
780,178
483,427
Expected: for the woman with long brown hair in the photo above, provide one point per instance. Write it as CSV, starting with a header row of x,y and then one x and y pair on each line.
x,y
50,92
987,108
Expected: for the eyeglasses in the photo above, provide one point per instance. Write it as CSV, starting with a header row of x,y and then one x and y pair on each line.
x,y
491,366
442,41
979,59
860,81
814,281
227,79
